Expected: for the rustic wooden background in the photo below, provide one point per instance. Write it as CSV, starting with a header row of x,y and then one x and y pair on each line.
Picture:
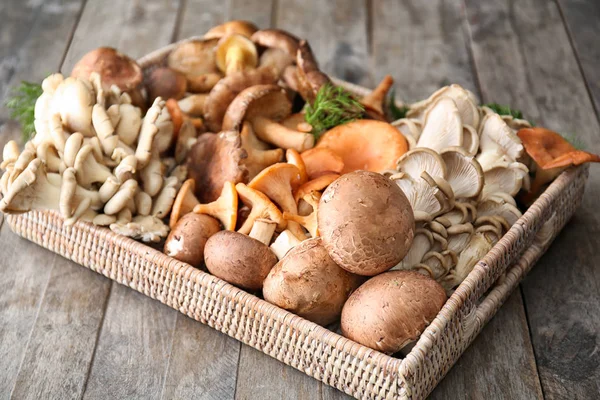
x,y
66,332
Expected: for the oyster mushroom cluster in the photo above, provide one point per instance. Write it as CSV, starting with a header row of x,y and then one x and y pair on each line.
x,y
95,158
460,176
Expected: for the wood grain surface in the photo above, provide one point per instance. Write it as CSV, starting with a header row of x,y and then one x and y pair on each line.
x,y
66,332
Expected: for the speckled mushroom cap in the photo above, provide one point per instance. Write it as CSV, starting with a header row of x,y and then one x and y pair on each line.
x,y
366,222
114,67
391,310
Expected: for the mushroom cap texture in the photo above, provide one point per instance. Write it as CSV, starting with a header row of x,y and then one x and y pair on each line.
x,y
278,39
194,57
391,310
307,282
114,67
366,222
238,259
187,239
167,83
214,160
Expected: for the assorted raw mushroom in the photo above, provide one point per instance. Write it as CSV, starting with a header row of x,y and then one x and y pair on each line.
x,y
239,155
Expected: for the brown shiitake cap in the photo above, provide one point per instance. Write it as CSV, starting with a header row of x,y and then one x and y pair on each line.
x,y
114,68
269,101
238,259
194,57
277,38
167,83
391,310
240,27
188,238
366,222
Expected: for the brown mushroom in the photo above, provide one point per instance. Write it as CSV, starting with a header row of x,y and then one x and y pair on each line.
x,y
188,238
240,27
167,83
194,58
391,310
278,39
260,208
365,144
239,259
184,202
224,208
297,122
309,283
236,53
375,100
214,160
366,223
263,106
260,156
309,77
309,222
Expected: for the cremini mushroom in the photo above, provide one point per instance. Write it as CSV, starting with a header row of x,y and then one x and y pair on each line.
x,y
367,208
241,260
264,106
240,27
224,208
188,237
260,156
309,283
167,83
214,160
320,161
235,53
365,145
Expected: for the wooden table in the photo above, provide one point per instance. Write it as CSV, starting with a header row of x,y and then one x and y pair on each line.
x,y
66,332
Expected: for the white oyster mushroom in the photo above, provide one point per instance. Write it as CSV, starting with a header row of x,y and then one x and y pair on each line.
x,y
421,245
89,171
459,236
414,162
147,228
502,209
164,136
148,131
129,124
74,100
470,140
426,198
461,213
464,99
410,128
442,126
498,143
504,177
464,174
164,201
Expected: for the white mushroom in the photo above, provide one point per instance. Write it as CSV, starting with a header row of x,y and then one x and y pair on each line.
x,y
464,174
152,175
505,177
498,143
146,228
414,162
425,196
164,201
129,124
465,101
148,131
442,126
74,99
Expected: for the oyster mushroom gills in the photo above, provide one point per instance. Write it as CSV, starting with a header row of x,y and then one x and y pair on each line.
x,y
237,154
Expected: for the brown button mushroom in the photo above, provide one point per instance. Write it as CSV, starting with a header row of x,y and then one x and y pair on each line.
x,y
167,83
242,260
264,106
240,27
366,223
188,238
365,144
391,310
236,53
308,283
214,160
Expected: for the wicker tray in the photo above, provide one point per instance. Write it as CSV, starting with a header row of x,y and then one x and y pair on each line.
x,y
310,348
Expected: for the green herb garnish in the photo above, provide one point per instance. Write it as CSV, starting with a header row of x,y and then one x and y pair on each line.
x,y
333,106
22,105
395,112
504,110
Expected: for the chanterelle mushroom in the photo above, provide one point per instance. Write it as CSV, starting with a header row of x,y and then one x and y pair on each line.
x,y
214,160
261,207
224,209
264,106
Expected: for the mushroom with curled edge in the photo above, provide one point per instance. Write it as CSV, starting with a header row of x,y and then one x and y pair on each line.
x,y
72,146
284,243
129,125
365,145
465,101
388,312
226,90
88,170
294,158
114,68
505,177
127,168
240,27
321,161
426,198
442,126
261,207
365,207
165,135
224,208
242,260
196,60
188,237
409,128
498,143
415,161
235,53
499,208
214,160
464,174
185,201
122,197
73,101
308,222
316,185
264,106
167,83
374,101
309,283
260,155
278,183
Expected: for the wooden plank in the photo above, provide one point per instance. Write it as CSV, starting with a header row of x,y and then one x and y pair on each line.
x,y
561,293
199,16
62,341
494,379
581,17
337,33
203,363
422,45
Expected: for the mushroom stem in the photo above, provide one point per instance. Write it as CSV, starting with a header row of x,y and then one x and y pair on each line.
x,y
376,98
284,243
263,230
280,136
234,60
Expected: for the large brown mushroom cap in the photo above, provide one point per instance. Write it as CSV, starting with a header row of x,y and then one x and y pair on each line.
x,y
307,282
239,259
194,57
167,83
114,68
391,310
214,160
240,27
278,39
366,223
187,239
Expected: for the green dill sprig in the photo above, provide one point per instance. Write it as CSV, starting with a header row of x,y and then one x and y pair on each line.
x,y
395,111
333,106
504,110
22,105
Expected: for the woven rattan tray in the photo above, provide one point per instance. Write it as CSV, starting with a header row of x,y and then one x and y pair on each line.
x,y
314,350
